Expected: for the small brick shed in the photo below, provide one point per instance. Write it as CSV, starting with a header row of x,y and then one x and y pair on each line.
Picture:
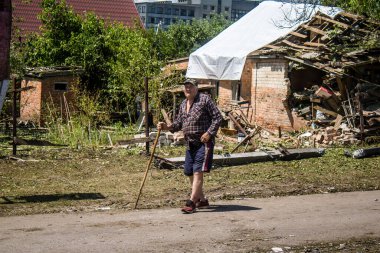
x,y
49,86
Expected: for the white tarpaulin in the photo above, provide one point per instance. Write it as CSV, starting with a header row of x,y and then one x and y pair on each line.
x,y
223,57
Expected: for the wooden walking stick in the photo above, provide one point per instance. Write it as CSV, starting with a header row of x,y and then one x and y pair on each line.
x,y
147,168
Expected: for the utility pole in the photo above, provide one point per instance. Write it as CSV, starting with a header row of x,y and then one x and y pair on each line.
x,y
14,120
146,115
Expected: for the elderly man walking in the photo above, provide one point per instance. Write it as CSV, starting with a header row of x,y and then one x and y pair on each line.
x,y
199,119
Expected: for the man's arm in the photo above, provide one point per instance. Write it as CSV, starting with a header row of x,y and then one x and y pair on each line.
x,y
216,117
175,126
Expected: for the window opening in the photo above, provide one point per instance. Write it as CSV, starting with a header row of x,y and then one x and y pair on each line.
x,y
60,86
235,90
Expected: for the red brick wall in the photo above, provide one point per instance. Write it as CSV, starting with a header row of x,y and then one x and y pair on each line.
x,y
225,93
269,93
30,101
263,86
5,37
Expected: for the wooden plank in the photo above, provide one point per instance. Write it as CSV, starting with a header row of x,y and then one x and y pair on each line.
x,y
342,88
248,137
287,42
320,67
134,141
314,44
315,100
349,15
338,121
300,35
333,102
313,29
271,46
319,108
166,117
345,26
230,115
337,71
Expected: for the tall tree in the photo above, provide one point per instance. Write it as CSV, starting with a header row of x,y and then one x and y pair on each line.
x,y
369,8
115,58
182,38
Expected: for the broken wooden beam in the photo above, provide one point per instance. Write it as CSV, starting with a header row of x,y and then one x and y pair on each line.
x,y
300,35
349,15
313,29
329,112
314,44
315,100
271,46
133,141
310,64
258,156
238,125
287,42
337,122
345,26
166,117
342,87
247,138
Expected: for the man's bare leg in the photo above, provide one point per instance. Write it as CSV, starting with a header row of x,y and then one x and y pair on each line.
x,y
197,187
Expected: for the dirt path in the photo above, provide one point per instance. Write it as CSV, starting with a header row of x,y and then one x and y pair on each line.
x,y
229,226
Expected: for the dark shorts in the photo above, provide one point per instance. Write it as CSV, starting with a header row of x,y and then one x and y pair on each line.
x,y
198,158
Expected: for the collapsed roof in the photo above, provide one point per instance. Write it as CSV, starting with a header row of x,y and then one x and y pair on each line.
x,y
328,44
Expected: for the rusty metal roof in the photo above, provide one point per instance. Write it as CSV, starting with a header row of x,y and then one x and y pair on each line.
x,y
124,11
41,72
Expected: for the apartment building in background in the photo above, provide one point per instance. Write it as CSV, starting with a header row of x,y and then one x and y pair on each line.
x,y
155,13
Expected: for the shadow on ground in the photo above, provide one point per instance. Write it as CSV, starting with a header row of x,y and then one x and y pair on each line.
x,y
228,208
49,198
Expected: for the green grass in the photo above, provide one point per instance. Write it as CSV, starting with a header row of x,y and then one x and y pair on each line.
x,y
79,180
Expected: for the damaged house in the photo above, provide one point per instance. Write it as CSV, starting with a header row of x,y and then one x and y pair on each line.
x,y
333,83
295,77
260,83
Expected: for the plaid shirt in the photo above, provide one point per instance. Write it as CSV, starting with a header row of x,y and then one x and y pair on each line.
x,y
203,116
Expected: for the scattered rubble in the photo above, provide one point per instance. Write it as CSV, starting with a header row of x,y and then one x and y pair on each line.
x,y
344,106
